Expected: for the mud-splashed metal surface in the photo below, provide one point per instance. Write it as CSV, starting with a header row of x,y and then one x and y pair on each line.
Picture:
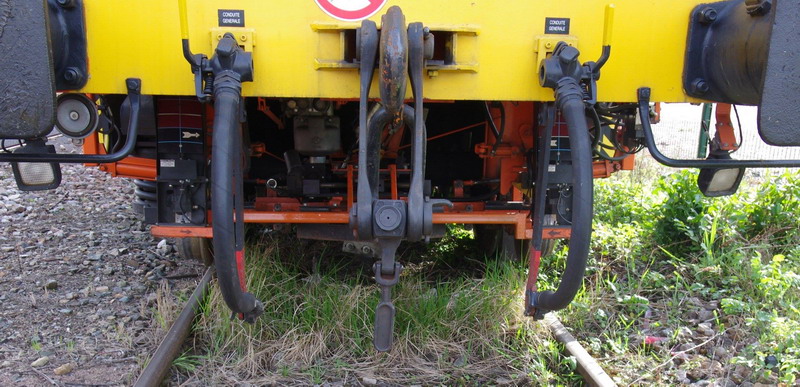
x,y
27,95
5,14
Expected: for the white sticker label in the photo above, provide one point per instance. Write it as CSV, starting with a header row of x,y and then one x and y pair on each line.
x,y
167,163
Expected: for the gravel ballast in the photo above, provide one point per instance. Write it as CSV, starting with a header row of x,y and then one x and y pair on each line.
x,y
80,281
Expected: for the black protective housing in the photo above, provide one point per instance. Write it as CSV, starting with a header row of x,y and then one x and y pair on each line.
x,y
747,52
27,103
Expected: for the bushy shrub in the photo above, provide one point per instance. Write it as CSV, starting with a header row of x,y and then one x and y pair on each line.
x,y
679,219
772,211
618,201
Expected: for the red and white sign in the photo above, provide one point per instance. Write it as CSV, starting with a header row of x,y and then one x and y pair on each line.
x,y
351,10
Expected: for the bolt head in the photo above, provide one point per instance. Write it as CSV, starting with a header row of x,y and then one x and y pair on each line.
x,y
700,86
708,15
72,75
133,83
388,218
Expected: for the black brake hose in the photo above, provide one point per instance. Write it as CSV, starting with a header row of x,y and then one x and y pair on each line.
x,y
569,98
225,198
497,135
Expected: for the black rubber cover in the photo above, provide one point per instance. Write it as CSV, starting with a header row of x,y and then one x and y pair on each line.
x,y
27,91
779,115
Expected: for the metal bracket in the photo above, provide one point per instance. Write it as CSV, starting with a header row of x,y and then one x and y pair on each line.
x,y
416,200
369,249
644,115
361,217
69,45
134,90
544,45
245,37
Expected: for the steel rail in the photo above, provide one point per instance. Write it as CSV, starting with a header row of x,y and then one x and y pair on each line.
x,y
159,365
592,373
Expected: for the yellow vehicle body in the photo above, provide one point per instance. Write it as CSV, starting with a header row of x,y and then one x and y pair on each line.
x,y
298,50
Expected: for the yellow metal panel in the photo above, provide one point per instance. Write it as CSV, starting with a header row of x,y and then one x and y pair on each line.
x,y
496,46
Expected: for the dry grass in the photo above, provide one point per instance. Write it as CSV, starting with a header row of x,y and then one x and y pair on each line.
x,y
317,328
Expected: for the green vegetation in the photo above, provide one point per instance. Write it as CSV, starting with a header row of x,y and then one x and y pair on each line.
x,y
680,288
35,344
674,270
186,362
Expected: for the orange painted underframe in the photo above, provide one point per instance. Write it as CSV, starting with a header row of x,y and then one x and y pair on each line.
x,y
518,219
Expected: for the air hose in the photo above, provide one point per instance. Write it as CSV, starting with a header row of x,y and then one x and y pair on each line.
x,y
569,99
226,197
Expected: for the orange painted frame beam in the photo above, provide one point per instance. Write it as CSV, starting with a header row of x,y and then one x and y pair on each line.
x,y
518,219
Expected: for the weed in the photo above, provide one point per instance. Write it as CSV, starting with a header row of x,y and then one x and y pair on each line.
x,y
36,345
186,362
736,256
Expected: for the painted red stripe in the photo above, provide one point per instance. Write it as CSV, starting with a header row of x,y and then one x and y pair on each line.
x,y
240,269
533,269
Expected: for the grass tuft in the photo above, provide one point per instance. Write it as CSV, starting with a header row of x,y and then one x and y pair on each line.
x,y
451,327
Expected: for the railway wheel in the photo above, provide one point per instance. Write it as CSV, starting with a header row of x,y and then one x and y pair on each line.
x,y
195,249
496,241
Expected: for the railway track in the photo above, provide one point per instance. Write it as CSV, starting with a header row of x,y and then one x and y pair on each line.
x,y
160,363
592,373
